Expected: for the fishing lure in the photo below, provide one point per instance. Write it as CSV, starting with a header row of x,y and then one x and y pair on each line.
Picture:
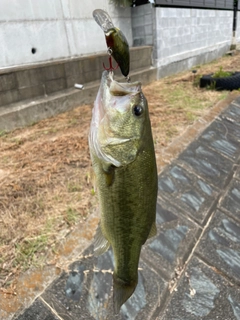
x,y
116,41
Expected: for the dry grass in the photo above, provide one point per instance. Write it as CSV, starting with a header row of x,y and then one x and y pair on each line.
x,y
45,169
45,187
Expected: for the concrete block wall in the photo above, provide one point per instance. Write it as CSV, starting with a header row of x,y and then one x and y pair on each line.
x,y
38,31
190,35
182,37
143,25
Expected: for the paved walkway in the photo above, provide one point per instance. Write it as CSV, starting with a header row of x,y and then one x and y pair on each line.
x,y
191,269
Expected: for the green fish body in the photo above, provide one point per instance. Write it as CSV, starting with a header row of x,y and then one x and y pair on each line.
x,y
123,159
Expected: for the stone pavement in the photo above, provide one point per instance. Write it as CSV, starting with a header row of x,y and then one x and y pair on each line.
x,y
191,269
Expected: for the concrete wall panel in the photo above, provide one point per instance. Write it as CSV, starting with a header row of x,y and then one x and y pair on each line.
x,y
197,30
55,28
18,38
85,37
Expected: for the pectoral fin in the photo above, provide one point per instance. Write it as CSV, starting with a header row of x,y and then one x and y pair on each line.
x,y
100,243
109,172
153,231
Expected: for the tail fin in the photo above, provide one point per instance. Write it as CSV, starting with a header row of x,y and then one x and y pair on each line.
x,y
122,291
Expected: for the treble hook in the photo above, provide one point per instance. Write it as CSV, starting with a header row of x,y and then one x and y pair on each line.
x,y
111,68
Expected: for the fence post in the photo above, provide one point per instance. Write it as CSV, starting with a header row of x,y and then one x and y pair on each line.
x,y
235,10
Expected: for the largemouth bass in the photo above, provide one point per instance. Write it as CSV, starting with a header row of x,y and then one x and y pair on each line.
x,y
123,159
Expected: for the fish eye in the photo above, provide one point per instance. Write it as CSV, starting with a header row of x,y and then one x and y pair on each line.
x,y
137,110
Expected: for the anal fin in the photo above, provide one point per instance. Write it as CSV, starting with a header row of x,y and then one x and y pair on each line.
x,y
153,231
100,243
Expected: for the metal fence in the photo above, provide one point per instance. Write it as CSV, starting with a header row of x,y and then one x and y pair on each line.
x,y
207,4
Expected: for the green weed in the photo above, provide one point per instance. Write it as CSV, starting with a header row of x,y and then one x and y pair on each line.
x,y
172,131
191,117
212,86
71,216
28,249
73,187
196,80
73,121
224,95
221,73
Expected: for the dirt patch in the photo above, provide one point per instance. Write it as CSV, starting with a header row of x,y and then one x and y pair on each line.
x,y
45,184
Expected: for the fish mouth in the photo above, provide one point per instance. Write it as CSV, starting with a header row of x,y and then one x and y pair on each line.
x,y
111,89
122,89
118,88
